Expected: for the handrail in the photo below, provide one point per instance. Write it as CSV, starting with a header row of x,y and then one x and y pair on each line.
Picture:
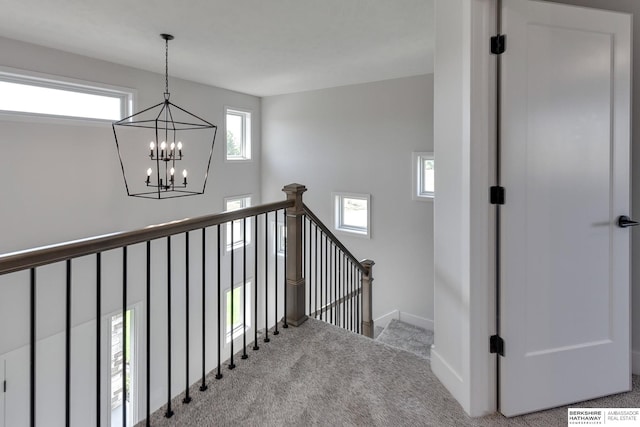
x,y
333,238
31,258
336,303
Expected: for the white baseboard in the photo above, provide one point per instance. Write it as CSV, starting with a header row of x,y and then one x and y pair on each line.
x,y
411,319
635,362
449,378
383,321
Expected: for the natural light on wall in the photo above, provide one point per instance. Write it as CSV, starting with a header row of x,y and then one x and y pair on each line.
x,y
76,102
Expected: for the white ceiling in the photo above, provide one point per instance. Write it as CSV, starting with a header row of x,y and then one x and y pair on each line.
x,y
261,47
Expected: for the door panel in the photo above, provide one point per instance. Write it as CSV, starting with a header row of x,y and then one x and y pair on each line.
x,y
565,165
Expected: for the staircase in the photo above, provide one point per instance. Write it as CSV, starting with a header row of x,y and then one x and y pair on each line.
x,y
407,337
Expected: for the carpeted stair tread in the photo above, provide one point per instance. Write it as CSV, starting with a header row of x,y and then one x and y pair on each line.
x,y
405,336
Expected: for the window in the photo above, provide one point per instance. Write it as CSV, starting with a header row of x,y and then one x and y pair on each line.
x,y
232,204
238,130
282,236
38,96
423,176
352,213
116,340
235,325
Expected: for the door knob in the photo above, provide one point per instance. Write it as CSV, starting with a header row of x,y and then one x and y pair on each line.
x,y
624,222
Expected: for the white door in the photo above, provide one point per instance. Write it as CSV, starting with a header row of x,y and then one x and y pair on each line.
x,y
565,294
3,391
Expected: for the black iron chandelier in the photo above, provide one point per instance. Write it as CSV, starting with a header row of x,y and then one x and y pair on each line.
x,y
169,143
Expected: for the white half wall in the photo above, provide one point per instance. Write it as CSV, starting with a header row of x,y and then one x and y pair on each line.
x,y
359,139
463,220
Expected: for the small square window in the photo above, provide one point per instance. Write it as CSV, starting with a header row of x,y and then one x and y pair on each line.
x,y
423,176
238,134
352,213
239,232
235,325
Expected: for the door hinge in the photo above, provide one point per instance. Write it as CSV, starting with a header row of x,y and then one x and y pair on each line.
x,y
496,345
496,195
4,386
498,44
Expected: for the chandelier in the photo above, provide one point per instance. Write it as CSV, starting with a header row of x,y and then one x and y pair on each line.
x,y
163,145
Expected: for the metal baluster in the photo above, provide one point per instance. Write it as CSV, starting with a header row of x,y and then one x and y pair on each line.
x,y
187,398
306,258
219,374
169,412
350,297
285,324
32,349
148,337
326,279
335,284
98,334
232,289
359,301
351,284
203,385
255,284
266,277
124,334
244,288
322,284
344,292
316,281
331,293
275,265
67,375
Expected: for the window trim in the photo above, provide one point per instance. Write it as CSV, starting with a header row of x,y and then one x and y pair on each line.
x,y
246,147
126,95
247,230
336,199
418,193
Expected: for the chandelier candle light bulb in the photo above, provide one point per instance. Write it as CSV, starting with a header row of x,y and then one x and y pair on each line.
x,y
184,175
152,146
149,172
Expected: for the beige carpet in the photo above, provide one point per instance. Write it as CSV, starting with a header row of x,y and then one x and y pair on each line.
x,y
320,375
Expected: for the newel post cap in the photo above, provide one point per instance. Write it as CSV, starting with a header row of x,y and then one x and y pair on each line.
x,y
294,189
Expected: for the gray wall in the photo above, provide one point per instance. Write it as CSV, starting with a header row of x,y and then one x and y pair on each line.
x,y
359,139
633,7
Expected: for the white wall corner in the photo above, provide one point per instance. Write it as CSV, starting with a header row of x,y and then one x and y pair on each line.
x,y
464,95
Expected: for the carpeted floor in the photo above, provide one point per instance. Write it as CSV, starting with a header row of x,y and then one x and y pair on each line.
x,y
407,337
320,375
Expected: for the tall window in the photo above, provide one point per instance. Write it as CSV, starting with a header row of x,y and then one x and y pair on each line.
x,y
238,130
239,232
235,325
118,336
423,176
352,213
51,98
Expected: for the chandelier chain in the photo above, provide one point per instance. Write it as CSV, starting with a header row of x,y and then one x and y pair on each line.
x,y
166,66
